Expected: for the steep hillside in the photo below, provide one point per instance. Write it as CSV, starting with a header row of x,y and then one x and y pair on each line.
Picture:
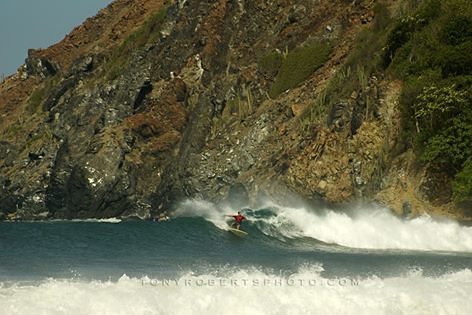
x,y
151,102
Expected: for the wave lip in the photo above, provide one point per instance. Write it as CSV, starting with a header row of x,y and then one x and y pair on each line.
x,y
363,228
379,229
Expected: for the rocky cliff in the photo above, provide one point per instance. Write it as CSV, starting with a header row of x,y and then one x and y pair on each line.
x,y
151,102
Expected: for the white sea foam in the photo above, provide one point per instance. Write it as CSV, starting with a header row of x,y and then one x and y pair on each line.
x,y
373,228
246,292
109,220
92,220
209,211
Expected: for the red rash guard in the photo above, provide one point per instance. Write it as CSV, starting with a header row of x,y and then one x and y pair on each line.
x,y
239,218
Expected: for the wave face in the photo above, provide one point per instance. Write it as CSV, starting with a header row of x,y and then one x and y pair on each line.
x,y
293,261
364,228
246,292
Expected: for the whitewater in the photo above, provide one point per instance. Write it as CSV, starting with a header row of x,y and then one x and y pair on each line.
x,y
410,294
295,260
360,227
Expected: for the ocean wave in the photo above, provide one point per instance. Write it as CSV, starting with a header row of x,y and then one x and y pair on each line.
x,y
364,228
108,220
248,291
373,228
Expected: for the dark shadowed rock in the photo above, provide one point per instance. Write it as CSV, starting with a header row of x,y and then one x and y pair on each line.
x,y
338,115
40,66
96,184
83,65
406,209
139,117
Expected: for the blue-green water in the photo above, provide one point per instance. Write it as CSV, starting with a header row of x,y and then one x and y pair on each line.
x,y
91,258
92,250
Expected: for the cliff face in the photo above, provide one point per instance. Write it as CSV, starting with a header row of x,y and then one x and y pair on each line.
x,y
151,102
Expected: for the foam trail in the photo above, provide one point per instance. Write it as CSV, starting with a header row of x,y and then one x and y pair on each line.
x,y
91,220
247,291
372,229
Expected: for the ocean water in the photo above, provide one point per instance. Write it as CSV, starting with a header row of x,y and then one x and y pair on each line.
x,y
294,261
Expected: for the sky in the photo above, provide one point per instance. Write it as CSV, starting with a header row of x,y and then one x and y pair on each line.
x,y
28,24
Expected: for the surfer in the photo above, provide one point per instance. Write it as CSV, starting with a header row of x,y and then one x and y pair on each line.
x,y
238,219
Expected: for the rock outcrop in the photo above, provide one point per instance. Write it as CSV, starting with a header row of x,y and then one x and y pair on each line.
x,y
151,102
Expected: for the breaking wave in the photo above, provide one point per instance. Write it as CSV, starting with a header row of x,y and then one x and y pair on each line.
x,y
248,291
366,228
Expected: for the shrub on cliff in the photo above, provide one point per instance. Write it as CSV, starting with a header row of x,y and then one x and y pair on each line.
x,y
405,29
270,64
455,60
299,65
40,93
462,186
457,30
431,50
147,33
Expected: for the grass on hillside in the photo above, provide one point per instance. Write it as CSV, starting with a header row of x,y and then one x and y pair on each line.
x,y
297,66
364,60
430,49
149,32
39,94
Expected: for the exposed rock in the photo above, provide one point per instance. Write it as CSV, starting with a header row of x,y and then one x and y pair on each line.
x,y
83,65
97,182
338,115
144,89
9,202
296,13
322,185
58,91
406,209
40,66
35,156
185,114
8,153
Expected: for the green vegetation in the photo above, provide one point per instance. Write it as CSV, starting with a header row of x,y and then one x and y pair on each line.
x,y
236,110
462,186
241,105
297,66
313,113
370,43
145,34
13,131
364,60
271,63
444,122
38,96
431,51
404,30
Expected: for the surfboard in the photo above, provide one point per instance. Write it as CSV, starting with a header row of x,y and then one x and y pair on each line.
x,y
237,232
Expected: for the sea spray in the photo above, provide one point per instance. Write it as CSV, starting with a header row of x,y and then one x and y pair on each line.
x,y
209,211
361,227
376,228
249,291
189,265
